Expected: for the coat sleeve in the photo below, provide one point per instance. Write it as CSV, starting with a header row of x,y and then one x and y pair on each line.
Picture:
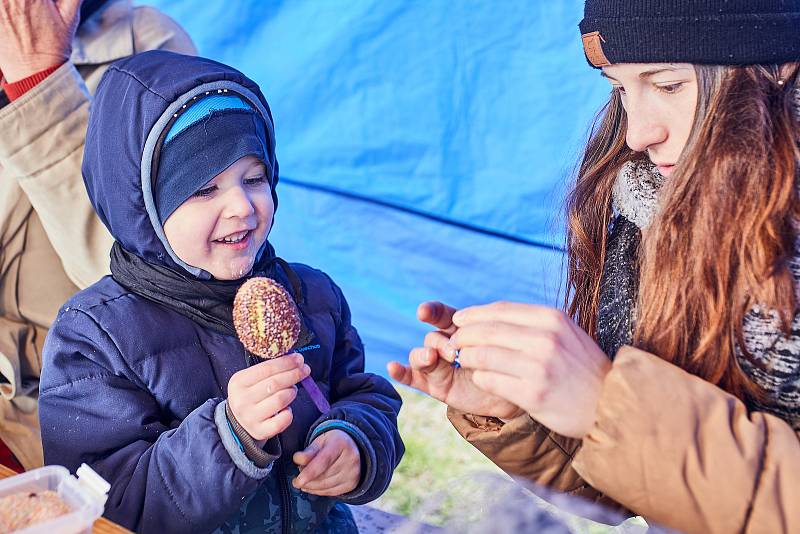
x,y
165,475
41,144
365,406
684,453
528,450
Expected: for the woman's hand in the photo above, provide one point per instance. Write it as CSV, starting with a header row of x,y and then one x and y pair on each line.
x,y
534,357
259,396
431,372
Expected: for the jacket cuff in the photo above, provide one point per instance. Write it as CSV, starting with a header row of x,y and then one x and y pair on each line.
x,y
521,447
14,90
56,108
367,452
257,468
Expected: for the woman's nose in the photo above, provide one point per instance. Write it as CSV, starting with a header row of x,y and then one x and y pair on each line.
x,y
644,128
238,203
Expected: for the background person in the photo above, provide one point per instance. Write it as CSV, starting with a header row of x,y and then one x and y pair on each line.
x,y
52,56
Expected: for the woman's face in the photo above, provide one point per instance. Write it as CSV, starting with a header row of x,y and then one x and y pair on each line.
x,y
660,101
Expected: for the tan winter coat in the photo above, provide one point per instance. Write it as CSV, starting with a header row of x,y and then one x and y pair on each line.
x,y
667,446
51,241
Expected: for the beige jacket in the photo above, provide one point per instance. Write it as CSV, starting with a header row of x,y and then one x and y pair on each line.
x,y
668,446
51,241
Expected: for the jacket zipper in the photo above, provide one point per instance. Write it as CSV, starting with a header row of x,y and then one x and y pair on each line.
x,y
286,527
286,507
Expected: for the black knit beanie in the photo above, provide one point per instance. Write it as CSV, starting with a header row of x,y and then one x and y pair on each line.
x,y
711,32
210,134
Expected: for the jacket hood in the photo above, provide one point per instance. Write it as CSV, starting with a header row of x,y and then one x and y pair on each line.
x,y
135,102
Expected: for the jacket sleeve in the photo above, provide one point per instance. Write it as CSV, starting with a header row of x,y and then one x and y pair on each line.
x,y
41,144
528,450
165,475
365,406
684,453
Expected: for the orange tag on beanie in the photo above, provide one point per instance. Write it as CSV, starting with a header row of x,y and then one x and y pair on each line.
x,y
593,48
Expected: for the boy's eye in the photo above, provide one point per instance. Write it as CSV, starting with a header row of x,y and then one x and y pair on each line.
x,y
206,191
255,180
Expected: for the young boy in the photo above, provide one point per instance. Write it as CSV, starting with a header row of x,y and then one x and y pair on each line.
x,y
144,378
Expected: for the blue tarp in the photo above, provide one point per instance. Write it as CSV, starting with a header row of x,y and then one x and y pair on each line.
x,y
425,146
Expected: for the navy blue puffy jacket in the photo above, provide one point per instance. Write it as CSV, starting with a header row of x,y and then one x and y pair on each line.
x,y
136,390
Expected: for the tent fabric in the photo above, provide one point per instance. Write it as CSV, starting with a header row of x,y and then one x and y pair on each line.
x,y
425,147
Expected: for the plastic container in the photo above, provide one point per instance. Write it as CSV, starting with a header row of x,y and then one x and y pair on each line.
x,y
85,494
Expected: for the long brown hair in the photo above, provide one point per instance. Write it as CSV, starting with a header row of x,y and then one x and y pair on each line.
x,y
724,231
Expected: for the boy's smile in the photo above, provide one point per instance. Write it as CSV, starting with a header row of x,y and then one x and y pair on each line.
x,y
221,228
238,240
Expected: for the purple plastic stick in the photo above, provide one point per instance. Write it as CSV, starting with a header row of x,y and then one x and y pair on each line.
x,y
316,395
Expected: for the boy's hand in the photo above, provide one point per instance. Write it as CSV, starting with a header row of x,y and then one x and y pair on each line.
x,y
259,396
330,466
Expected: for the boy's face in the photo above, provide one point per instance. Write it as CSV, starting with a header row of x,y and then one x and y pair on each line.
x,y
221,228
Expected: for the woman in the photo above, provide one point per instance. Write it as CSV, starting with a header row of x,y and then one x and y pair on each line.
x,y
671,385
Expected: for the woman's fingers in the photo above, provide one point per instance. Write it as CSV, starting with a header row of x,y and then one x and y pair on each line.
x,y
426,371
494,333
400,373
436,340
438,314
440,342
498,360
420,360
512,388
424,359
518,313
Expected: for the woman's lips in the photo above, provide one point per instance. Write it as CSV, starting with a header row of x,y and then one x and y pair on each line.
x,y
665,170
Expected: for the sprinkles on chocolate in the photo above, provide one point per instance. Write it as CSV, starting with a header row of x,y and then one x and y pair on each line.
x,y
266,318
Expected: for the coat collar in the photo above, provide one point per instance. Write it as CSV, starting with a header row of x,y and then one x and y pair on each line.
x,y
106,36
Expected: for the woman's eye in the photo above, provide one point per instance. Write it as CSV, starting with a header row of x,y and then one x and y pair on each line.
x,y
670,88
256,180
206,191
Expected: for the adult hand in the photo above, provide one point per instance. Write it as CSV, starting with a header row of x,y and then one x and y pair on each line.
x,y
431,371
37,34
329,466
535,357
259,396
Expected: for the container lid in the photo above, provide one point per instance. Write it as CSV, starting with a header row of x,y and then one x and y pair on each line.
x,y
96,486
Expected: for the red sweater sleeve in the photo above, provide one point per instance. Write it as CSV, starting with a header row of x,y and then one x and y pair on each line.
x,y
16,89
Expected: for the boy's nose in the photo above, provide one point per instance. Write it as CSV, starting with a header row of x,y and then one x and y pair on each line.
x,y
238,203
